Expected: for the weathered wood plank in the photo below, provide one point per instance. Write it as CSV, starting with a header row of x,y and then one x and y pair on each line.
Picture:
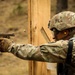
x,y
39,16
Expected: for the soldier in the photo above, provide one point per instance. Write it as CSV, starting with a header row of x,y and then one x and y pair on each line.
x,y
61,51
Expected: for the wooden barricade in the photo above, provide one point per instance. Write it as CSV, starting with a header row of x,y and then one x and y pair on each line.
x,y
38,18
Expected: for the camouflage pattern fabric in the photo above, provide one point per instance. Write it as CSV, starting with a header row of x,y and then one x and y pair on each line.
x,y
49,52
63,20
54,52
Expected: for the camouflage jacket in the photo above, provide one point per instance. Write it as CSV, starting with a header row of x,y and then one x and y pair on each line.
x,y
50,52
54,52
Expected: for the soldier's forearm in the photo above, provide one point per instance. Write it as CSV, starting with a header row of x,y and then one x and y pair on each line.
x,y
27,52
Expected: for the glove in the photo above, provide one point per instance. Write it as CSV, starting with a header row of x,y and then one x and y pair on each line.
x,y
4,44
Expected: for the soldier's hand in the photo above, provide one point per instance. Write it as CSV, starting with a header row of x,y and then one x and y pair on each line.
x,y
4,44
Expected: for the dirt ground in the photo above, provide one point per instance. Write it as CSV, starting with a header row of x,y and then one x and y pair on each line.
x,y
14,19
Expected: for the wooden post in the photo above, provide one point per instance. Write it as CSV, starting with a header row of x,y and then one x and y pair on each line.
x,y
38,18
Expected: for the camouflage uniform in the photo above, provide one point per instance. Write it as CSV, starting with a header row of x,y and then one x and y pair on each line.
x,y
50,52
54,52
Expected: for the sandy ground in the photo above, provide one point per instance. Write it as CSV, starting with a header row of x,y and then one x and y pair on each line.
x,y
13,19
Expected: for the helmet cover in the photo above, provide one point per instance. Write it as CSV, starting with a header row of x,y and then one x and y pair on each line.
x,y
63,20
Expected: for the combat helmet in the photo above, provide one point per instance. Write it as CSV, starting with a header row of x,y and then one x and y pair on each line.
x,y
62,21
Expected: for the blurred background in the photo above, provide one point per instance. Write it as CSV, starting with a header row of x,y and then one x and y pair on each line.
x,y
14,19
